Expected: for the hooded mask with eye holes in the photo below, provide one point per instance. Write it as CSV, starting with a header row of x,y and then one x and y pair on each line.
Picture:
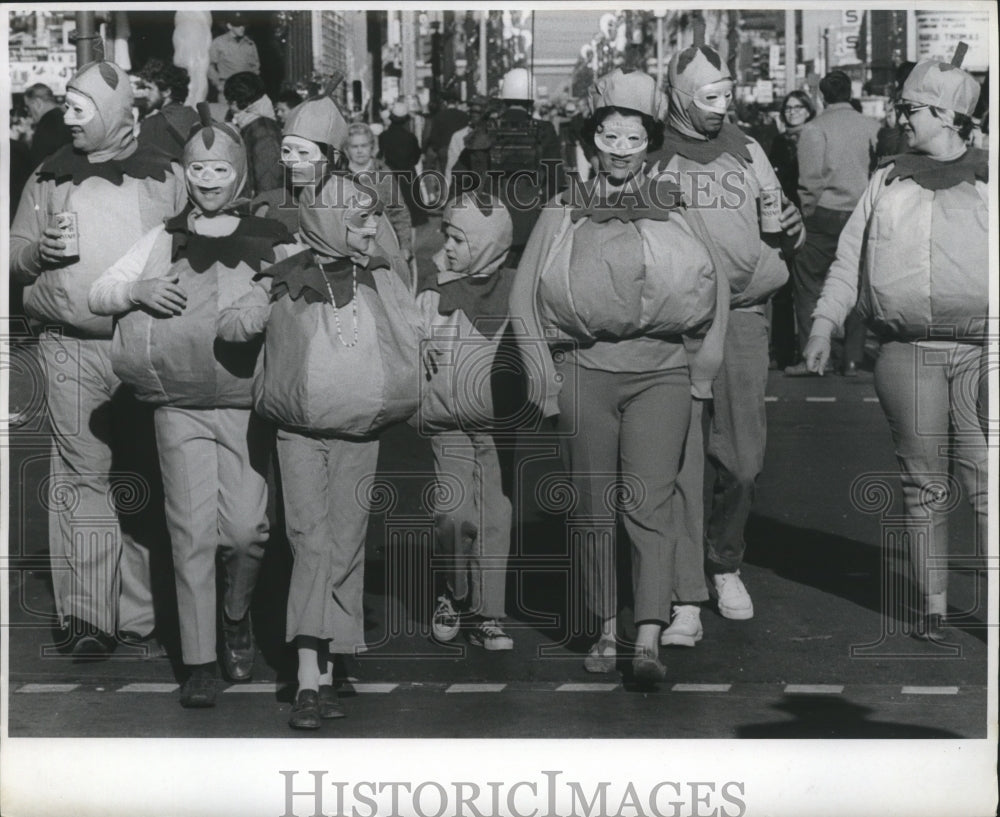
x,y
214,156
488,232
340,207
107,126
697,77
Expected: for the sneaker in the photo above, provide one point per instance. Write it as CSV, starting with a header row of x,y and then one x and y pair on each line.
x,y
734,601
685,630
603,656
490,636
446,622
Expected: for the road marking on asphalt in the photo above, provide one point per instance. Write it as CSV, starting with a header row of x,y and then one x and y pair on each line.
x,y
583,687
870,399
380,688
770,399
914,690
476,688
821,399
814,689
48,687
272,688
149,688
701,687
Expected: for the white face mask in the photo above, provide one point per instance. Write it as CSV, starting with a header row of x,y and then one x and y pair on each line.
x,y
715,97
210,172
78,109
621,135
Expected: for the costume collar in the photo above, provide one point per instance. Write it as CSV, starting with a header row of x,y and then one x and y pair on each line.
x,y
300,276
931,174
639,198
251,243
484,299
730,139
145,162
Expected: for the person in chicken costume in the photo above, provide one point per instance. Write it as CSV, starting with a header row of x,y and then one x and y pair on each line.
x,y
465,311
914,258
167,292
338,364
117,190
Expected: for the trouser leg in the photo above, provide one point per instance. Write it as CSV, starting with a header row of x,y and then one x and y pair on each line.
x,y
590,456
187,448
651,461
688,512
457,528
736,438
243,446
967,391
489,575
812,262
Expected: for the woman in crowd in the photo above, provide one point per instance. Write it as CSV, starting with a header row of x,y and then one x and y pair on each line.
x,y
796,109
253,115
367,171
914,257
339,363
465,313
618,280
167,291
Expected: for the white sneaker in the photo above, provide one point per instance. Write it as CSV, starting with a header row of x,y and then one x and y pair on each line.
x,y
734,601
446,622
490,636
685,630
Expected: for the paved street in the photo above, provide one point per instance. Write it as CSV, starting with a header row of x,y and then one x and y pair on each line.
x,y
825,656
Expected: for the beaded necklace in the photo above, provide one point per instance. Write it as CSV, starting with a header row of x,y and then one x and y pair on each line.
x,y
354,305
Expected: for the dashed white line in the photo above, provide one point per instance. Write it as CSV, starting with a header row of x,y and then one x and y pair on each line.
x,y
821,399
814,689
48,687
583,687
272,688
373,688
149,688
701,687
870,399
770,399
914,690
476,688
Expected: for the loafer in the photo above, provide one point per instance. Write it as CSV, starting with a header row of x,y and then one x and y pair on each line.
x,y
329,704
199,689
238,648
602,657
305,710
647,668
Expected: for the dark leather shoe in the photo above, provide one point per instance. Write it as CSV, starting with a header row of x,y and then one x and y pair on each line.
x,y
851,369
930,628
145,647
85,642
329,704
305,710
199,689
238,648
647,667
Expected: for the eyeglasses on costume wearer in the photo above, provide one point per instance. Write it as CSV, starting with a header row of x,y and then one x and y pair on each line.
x,y
907,109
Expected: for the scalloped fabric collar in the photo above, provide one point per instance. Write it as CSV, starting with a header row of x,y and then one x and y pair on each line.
x,y
730,139
971,166
69,165
251,243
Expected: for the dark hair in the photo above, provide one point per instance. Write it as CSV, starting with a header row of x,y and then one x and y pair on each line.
x,y
802,97
290,98
963,123
243,89
835,87
171,78
39,91
654,127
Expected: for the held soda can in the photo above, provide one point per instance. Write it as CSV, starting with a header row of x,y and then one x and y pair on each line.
x,y
770,210
66,221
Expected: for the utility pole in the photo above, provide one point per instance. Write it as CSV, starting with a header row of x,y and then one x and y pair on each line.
x,y
84,38
484,87
660,14
409,40
790,50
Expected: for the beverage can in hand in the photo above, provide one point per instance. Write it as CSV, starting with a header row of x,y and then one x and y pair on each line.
x,y
770,210
66,221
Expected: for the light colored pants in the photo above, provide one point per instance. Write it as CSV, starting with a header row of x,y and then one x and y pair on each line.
x,y
630,428
924,389
326,521
474,531
99,574
214,465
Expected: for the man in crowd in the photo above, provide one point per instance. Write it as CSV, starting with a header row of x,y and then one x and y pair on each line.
x,y
112,191
168,120
438,130
707,156
232,53
51,133
836,152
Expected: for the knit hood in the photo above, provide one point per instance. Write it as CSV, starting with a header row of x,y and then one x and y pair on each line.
x,y
213,142
110,133
488,230
691,70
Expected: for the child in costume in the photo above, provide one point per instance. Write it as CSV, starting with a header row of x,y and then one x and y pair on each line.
x,y
167,291
339,363
914,258
465,312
